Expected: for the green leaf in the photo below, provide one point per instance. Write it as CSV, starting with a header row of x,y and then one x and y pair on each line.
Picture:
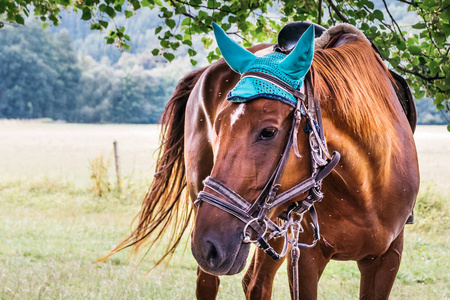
x,y
128,14
401,45
395,61
155,52
203,14
419,26
226,26
136,4
378,14
54,20
86,14
444,60
103,23
110,12
194,62
158,30
419,94
96,26
175,45
187,42
44,25
186,21
109,40
19,19
414,50
169,56
192,52
438,99
171,23
448,128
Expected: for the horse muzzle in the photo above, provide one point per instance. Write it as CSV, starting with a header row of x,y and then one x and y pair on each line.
x,y
219,251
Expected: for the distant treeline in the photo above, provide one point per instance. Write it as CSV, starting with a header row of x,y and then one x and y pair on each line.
x,y
41,76
71,75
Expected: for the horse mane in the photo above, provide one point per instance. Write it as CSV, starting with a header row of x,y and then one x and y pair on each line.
x,y
164,207
353,86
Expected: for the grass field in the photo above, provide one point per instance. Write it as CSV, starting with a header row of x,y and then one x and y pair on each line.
x,y
53,226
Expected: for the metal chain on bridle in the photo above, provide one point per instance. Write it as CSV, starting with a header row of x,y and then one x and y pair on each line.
x,y
255,216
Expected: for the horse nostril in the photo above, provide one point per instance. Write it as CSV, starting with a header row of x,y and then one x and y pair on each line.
x,y
214,256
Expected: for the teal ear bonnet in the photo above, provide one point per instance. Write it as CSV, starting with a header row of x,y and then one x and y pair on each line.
x,y
290,68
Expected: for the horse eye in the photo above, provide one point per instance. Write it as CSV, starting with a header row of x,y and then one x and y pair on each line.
x,y
268,133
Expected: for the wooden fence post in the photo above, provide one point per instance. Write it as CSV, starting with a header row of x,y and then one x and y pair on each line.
x,y
116,158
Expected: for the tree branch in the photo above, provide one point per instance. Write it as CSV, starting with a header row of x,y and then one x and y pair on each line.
x,y
444,8
430,79
331,15
190,16
338,13
204,6
393,20
240,36
422,15
389,26
407,2
319,19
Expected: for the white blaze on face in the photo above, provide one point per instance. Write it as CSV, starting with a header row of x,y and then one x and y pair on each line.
x,y
237,113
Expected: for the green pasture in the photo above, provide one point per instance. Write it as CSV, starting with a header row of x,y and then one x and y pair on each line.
x,y
53,224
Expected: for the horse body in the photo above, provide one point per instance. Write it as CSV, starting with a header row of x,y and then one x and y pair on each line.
x,y
367,198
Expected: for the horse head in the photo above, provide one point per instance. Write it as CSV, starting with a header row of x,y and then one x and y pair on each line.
x,y
251,133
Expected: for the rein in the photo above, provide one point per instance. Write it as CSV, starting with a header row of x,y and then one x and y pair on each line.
x,y
255,215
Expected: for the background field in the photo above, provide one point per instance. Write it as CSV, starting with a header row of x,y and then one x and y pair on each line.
x,y
53,226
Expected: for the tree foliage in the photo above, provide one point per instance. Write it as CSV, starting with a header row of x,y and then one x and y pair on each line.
x,y
42,77
420,51
39,74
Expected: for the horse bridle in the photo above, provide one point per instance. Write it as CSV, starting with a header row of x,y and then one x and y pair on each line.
x,y
255,215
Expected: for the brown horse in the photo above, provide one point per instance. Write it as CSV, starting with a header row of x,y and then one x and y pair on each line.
x,y
367,197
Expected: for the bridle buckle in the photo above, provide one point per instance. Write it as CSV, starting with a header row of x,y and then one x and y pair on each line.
x,y
247,238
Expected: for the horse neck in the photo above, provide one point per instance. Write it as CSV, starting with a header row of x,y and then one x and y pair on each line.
x,y
369,151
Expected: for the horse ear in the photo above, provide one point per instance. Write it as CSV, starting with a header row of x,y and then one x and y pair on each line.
x,y
298,62
235,56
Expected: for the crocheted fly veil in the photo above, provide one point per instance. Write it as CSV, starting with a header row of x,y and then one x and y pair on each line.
x,y
290,68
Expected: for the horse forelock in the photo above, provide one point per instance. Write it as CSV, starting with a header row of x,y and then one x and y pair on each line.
x,y
353,86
